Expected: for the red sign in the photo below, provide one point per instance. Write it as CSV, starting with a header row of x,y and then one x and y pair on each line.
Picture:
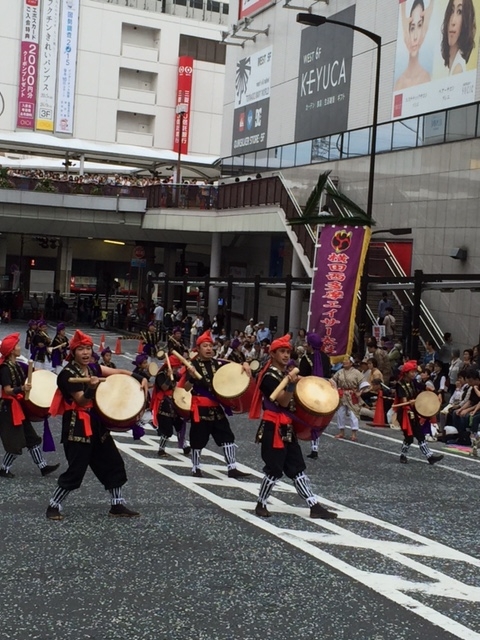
x,y
139,252
184,96
249,7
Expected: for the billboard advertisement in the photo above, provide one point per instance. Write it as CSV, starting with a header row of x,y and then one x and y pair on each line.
x,y
27,86
67,66
252,101
47,69
436,56
251,7
324,76
184,96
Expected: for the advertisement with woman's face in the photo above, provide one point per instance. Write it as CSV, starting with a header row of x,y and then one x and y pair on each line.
x,y
437,55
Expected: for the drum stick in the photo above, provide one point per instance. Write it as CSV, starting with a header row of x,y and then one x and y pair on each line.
x,y
169,367
58,346
402,404
276,392
29,377
85,379
186,363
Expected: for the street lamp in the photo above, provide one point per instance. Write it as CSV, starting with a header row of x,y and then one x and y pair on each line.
x,y
312,20
180,110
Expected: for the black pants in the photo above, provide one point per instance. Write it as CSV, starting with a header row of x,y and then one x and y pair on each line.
x,y
287,460
220,431
14,439
166,425
417,433
101,455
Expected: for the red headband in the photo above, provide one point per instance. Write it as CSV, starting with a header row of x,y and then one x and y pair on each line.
x,y
205,337
9,343
281,343
80,339
410,365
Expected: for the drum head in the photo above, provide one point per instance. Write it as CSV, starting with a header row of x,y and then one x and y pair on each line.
x,y
316,395
230,381
254,366
427,404
161,354
44,385
153,368
120,398
182,399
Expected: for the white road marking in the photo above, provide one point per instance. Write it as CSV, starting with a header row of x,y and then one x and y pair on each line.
x,y
399,590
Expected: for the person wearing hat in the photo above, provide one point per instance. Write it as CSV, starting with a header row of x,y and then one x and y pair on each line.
x,y
208,416
314,362
281,452
16,430
86,440
59,348
40,342
263,333
164,416
107,359
408,418
348,380
32,327
141,366
151,339
236,354
175,342
250,328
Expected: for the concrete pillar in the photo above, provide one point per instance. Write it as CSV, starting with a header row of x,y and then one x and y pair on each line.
x,y
82,165
63,272
296,320
215,264
3,255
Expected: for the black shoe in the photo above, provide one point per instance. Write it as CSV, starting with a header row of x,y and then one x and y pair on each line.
x,y
319,512
313,455
121,511
197,473
435,458
261,511
237,474
54,513
403,458
161,453
186,451
49,469
6,474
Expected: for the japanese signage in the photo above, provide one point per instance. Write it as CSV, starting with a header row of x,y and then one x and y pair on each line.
x,y
67,66
47,71
184,97
27,88
436,57
324,76
252,101
250,7
339,260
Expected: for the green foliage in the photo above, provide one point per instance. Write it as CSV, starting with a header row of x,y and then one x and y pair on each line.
x,y
5,182
46,186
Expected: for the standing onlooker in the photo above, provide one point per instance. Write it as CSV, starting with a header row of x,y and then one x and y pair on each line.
x,y
35,305
389,324
263,333
196,330
158,314
455,365
383,305
250,328
430,352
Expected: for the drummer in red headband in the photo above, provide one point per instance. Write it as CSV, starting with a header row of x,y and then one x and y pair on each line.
x,y
86,441
406,391
164,416
16,430
281,451
208,416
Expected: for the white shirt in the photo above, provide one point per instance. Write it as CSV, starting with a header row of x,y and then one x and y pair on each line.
x,y
158,313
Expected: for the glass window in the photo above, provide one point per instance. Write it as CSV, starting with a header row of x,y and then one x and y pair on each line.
x,y
304,153
202,49
249,162
288,156
274,156
461,123
262,159
358,143
321,149
434,128
384,137
336,143
237,164
405,134
227,164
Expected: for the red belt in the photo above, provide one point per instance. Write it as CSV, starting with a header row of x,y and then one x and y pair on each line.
x,y
155,404
278,419
201,401
59,406
17,411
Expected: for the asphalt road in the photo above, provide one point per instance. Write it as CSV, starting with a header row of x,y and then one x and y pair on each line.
x,y
401,561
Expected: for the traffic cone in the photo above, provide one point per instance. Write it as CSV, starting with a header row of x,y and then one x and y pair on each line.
x,y
118,347
102,342
379,415
140,346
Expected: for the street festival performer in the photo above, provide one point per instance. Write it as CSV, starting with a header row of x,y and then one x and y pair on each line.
x,y
164,416
408,418
40,343
208,415
59,348
86,440
314,362
281,451
16,430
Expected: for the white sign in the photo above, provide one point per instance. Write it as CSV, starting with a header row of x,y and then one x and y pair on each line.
x,y
47,72
252,78
67,66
